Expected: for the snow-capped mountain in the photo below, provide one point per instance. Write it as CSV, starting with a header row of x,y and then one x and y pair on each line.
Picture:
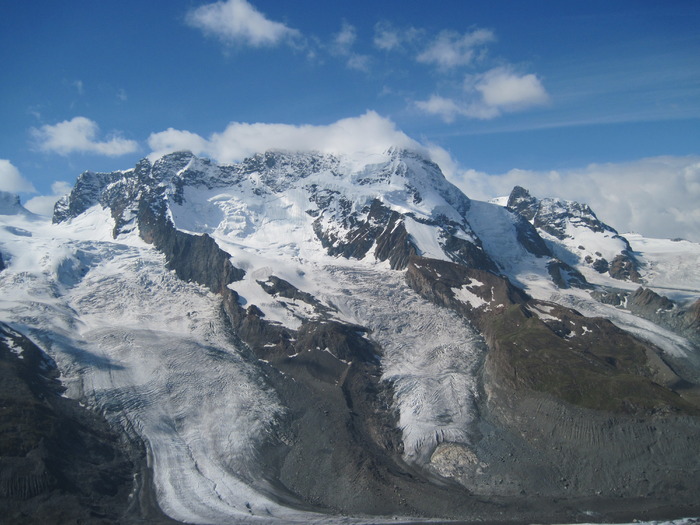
x,y
303,337
576,234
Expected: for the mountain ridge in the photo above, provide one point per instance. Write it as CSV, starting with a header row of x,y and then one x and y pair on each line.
x,y
388,315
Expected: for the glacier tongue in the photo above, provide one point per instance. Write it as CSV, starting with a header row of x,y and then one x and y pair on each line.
x,y
430,355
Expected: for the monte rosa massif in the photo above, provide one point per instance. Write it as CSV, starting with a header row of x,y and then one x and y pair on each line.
x,y
316,338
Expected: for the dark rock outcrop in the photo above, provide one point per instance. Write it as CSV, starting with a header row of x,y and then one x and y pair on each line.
x,y
381,226
193,257
624,267
551,215
565,276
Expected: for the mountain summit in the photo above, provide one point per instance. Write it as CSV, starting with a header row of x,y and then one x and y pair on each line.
x,y
300,337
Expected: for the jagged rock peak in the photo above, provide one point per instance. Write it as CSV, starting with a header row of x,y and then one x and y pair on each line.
x,y
571,224
551,215
269,172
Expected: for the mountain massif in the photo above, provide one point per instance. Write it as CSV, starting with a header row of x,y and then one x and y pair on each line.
x,y
306,337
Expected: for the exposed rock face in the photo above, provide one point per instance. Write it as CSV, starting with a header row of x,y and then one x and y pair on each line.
x,y
624,268
382,228
2,263
564,276
530,239
60,462
563,219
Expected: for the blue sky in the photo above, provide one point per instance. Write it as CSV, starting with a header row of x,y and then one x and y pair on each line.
x,y
548,94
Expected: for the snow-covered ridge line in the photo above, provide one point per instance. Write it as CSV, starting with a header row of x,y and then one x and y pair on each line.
x,y
314,246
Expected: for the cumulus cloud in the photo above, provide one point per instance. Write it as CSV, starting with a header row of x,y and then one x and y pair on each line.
x,y
238,22
489,95
178,140
505,90
79,135
657,197
451,49
43,204
369,134
11,179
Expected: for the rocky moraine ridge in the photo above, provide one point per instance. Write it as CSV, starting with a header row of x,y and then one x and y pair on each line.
x,y
573,413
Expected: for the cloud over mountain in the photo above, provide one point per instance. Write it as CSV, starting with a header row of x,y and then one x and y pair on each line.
x,y
79,135
368,133
656,197
12,180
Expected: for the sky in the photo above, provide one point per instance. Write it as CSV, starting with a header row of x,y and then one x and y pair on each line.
x,y
595,101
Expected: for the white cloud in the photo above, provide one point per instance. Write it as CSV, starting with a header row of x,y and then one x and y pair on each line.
x,y
450,49
446,108
359,62
386,37
449,109
237,21
505,90
657,197
369,133
11,179
489,95
345,38
79,135
43,204
389,38
342,46
178,140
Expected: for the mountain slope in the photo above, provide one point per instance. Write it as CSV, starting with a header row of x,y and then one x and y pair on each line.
x,y
301,336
